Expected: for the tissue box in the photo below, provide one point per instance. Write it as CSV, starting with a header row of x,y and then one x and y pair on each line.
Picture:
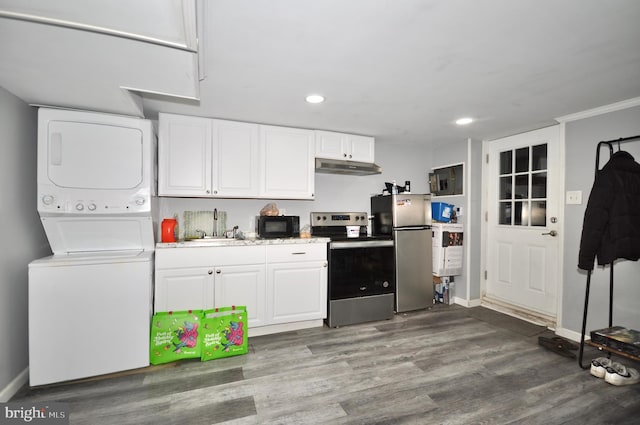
x,y
441,211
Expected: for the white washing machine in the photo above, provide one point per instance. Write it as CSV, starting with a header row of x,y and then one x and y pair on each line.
x,y
90,304
89,314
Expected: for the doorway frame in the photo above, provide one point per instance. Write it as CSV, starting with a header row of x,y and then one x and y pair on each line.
x,y
515,311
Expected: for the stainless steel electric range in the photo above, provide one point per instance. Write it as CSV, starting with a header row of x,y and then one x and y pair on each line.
x,y
361,269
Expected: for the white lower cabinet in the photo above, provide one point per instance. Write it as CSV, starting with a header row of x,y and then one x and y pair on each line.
x,y
242,285
296,282
296,292
281,284
184,289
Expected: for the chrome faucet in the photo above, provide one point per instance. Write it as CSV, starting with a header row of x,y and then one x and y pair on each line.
x,y
215,222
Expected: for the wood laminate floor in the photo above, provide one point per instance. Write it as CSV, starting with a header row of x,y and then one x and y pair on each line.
x,y
446,365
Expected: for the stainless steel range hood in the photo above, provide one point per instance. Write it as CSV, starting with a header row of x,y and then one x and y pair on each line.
x,y
352,168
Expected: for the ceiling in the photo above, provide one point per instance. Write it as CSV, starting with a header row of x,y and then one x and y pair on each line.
x,y
404,71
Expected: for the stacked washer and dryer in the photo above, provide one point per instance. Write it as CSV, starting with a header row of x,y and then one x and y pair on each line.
x,y
90,303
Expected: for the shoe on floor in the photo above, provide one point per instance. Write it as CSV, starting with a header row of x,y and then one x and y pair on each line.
x,y
619,374
599,366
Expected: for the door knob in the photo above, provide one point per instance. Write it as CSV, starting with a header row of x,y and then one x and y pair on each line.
x,y
552,233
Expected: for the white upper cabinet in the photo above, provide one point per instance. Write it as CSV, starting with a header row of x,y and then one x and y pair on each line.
x,y
203,157
349,147
235,159
287,163
184,156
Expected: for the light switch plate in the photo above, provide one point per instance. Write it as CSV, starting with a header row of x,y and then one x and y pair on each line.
x,y
574,197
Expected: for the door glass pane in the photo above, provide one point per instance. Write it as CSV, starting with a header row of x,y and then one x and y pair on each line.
x,y
539,157
538,213
505,213
522,160
539,185
505,187
522,187
505,162
521,213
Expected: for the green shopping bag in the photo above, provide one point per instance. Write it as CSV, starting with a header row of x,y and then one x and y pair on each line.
x,y
175,335
224,332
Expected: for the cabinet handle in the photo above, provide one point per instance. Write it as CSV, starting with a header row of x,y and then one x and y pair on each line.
x,y
215,192
298,253
210,272
208,191
218,271
344,154
325,265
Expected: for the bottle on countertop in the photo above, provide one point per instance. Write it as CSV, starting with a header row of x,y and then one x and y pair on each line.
x,y
394,188
407,186
169,229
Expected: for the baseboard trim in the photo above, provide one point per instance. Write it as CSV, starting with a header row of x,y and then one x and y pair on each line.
x,y
285,327
569,334
14,386
521,313
466,303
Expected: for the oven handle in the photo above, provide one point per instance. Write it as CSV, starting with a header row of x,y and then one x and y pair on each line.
x,y
363,244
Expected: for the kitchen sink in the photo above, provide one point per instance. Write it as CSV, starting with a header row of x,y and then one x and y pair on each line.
x,y
207,239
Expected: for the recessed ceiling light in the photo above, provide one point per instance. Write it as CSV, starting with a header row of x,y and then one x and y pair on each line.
x,y
464,121
315,98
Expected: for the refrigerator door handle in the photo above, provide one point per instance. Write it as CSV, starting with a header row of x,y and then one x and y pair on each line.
x,y
412,228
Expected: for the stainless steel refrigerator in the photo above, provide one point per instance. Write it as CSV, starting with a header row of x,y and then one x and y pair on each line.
x,y
407,218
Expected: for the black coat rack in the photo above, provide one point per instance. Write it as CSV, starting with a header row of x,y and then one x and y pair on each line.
x,y
610,144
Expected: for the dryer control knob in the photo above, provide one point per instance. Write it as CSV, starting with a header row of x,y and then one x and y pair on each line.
x,y
91,207
79,207
47,199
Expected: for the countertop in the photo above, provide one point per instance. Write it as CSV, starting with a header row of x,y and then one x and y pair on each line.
x,y
239,242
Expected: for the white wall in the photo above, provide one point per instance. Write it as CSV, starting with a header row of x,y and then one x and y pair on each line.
x,y
333,192
582,138
22,239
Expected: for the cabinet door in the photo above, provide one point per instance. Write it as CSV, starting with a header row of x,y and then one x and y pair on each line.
x,y
235,159
184,289
330,145
242,285
184,156
287,163
360,148
296,291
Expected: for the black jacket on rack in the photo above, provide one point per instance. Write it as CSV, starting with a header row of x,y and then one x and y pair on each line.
x,y
611,227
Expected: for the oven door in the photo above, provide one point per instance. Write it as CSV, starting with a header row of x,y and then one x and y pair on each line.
x,y
361,268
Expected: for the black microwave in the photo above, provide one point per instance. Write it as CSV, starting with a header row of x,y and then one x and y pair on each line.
x,y
278,226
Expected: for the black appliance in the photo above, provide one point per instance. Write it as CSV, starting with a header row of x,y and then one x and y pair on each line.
x,y
361,282
278,226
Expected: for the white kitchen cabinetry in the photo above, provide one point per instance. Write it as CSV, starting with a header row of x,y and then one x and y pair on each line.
x,y
208,277
287,162
204,157
348,147
296,283
242,285
284,286
184,156
235,159
184,289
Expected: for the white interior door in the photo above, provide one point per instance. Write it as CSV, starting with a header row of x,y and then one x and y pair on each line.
x,y
522,220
